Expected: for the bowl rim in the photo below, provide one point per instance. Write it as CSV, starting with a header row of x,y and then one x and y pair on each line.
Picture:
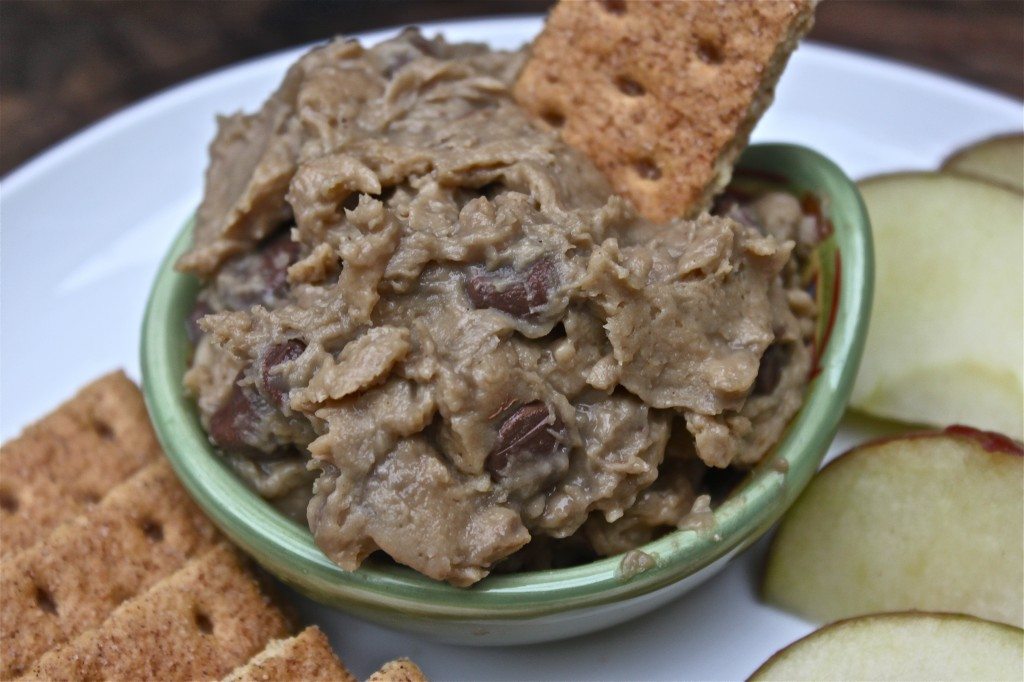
x,y
286,548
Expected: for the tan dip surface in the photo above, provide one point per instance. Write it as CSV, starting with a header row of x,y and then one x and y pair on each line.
x,y
445,310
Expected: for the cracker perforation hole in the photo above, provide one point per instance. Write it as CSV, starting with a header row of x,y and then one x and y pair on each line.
x,y
45,600
88,498
629,87
553,117
709,51
103,429
154,530
202,620
119,595
8,502
616,7
647,169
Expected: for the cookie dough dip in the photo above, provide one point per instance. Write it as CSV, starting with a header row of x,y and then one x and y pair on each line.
x,y
429,327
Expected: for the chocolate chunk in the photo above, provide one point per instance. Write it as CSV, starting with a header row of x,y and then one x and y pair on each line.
x,y
276,256
275,386
395,64
259,277
724,202
521,294
744,216
528,431
775,358
234,423
200,310
811,205
427,47
735,206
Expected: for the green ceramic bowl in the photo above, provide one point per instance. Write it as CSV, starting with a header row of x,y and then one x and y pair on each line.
x,y
543,605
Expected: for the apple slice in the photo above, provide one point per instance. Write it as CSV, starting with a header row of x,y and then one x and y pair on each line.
x,y
929,522
946,339
997,159
902,646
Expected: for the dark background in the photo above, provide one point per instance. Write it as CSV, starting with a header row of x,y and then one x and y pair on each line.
x,y
66,63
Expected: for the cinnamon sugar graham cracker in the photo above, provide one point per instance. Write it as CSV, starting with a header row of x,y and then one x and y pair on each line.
x,y
661,94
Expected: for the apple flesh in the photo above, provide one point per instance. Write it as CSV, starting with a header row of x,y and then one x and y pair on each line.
x,y
902,646
946,338
929,522
998,159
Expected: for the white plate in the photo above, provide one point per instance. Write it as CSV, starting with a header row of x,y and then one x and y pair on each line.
x,y
83,226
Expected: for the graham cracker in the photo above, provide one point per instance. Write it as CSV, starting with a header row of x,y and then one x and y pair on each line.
x,y
199,623
144,530
399,670
307,656
661,94
71,458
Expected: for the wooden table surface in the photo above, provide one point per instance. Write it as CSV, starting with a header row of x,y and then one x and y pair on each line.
x,y
66,63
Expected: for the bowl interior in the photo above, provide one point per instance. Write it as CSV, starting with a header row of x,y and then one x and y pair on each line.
x,y
844,272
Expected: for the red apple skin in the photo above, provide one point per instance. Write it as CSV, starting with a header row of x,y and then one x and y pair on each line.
x,y
990,441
